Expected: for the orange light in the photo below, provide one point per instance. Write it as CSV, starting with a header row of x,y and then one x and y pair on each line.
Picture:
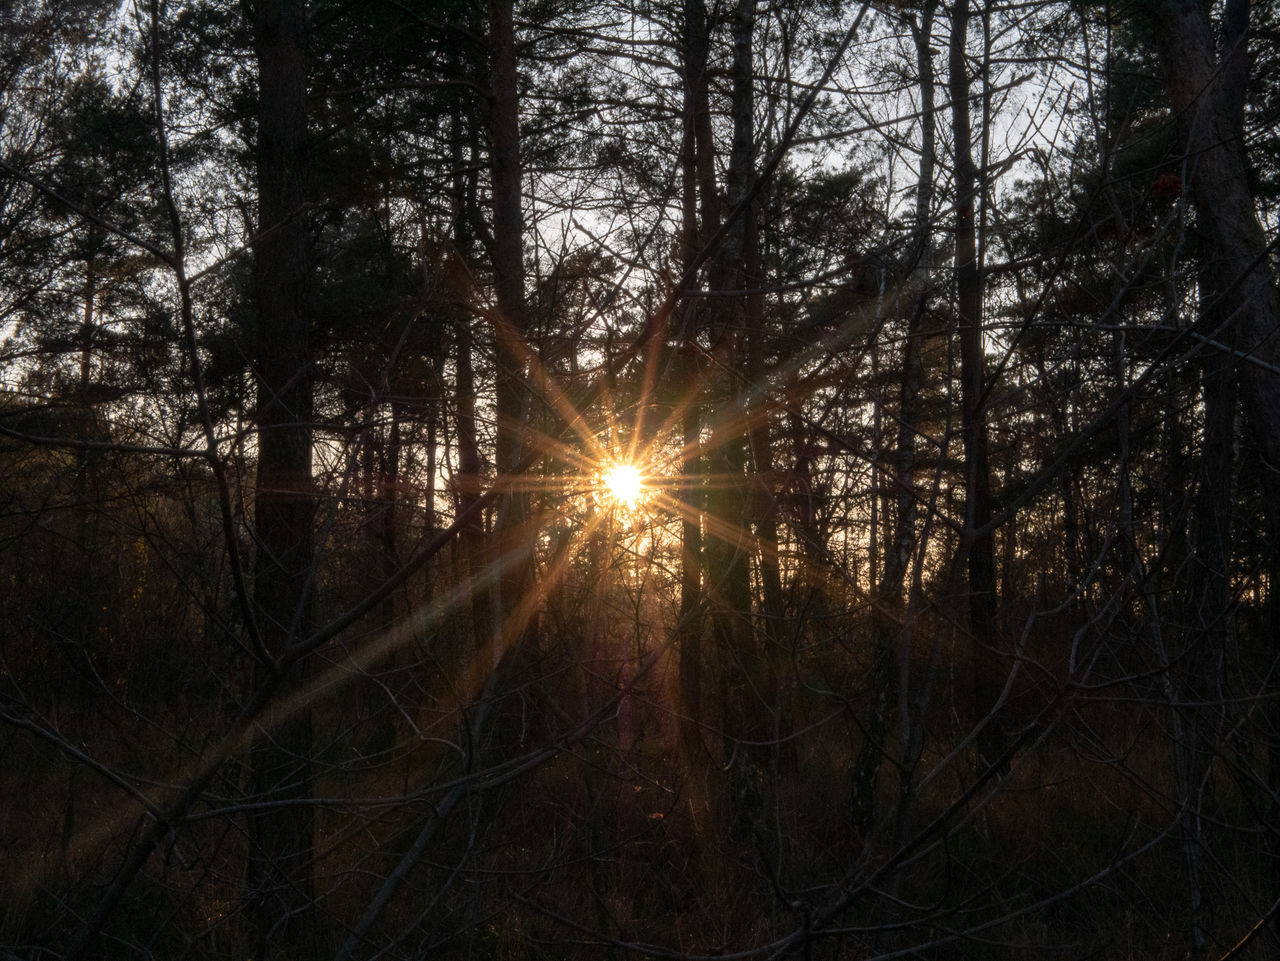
x,y
623,483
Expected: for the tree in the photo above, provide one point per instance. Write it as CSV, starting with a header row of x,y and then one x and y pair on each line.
x,y
280,885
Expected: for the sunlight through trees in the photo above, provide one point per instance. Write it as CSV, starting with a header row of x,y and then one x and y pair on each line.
x,y
539,479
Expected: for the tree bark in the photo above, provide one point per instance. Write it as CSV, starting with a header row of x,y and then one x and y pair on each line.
x,y
979,547
1206,98
510,321
279,876
748,702
695,158
1206,89
763,497
888,607
470,481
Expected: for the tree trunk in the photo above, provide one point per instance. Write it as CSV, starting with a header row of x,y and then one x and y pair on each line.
x,y
749,699
1206,98
888,607
1206,91
762,496
695,158
978,546
279,877
471,538
510,320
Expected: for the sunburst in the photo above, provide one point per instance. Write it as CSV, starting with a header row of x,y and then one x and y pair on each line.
x,y
622,483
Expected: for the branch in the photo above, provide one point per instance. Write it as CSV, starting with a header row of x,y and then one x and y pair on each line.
x,y
164,256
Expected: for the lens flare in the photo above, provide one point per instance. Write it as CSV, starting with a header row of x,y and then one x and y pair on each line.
x,y
623,484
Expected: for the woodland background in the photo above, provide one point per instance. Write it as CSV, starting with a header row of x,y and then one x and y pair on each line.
x,y
947,339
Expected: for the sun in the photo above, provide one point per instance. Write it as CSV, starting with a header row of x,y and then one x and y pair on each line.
x,y
623,484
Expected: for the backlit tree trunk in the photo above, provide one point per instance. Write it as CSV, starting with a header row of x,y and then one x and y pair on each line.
x,y
1206,88
749,701
280,832
695,158
510,321
470,481
978,546
889,611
